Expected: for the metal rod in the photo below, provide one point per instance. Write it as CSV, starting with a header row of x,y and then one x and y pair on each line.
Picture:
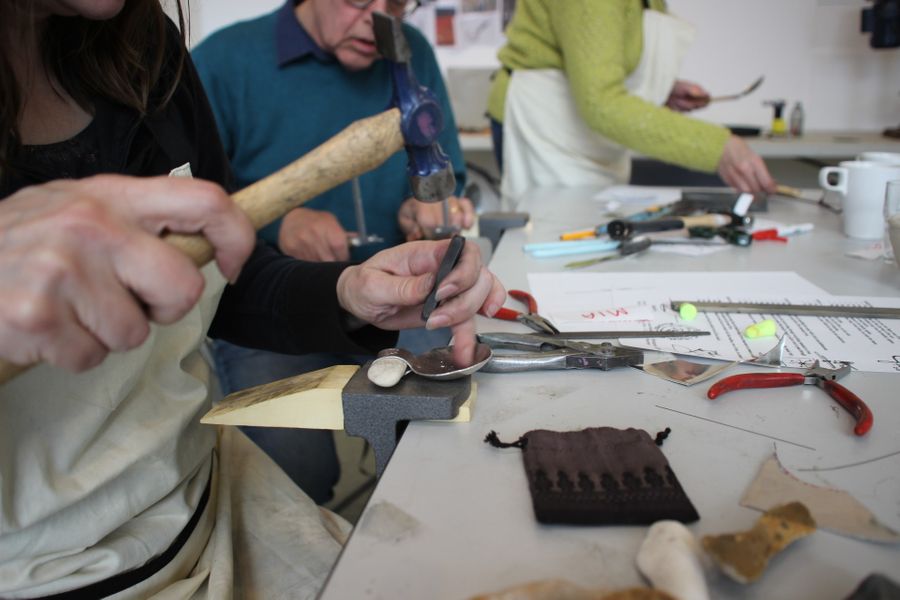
x,y
813,310
611,335
358,209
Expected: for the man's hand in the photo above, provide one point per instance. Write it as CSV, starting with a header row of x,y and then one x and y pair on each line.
x,y
83,269
388,291
687,96
743,169
418,220
313,235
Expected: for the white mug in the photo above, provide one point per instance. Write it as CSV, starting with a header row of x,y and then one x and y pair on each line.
x,y
890,158
861,185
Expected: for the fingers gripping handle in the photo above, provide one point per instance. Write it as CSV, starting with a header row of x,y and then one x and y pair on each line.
x,y
359,148
754,380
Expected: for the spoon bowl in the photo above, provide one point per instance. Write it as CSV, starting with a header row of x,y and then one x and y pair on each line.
x,y
389,367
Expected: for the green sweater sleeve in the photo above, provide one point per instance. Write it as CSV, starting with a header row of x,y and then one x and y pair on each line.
x,y
592,38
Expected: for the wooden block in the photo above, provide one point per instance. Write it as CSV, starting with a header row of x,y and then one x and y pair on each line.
x,y
308,401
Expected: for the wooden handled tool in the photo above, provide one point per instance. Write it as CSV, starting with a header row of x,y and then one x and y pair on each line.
x,y
359,148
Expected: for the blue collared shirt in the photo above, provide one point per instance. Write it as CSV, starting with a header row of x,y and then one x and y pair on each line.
x,y
292,41
277,95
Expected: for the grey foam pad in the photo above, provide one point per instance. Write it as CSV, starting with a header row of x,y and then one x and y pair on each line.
x,y
375,413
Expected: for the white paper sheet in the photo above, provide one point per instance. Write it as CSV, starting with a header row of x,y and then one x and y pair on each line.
x,y
869,344
634,194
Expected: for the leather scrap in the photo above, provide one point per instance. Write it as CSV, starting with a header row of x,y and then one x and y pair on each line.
x,y
833,509
743,556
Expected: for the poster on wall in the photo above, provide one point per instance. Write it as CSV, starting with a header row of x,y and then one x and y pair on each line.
x,y
479,5
444,27
463,23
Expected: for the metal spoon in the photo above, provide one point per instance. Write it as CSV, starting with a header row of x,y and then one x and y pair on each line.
x,y
750,88
393,363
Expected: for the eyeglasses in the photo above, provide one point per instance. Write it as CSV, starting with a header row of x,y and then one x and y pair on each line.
x,y
401,8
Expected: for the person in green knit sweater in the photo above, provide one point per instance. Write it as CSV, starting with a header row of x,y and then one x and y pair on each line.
x,y
585,81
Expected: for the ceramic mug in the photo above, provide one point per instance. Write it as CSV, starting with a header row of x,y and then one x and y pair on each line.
x,y
890,158
861,185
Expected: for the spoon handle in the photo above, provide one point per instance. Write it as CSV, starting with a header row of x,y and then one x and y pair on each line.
x,y
537,361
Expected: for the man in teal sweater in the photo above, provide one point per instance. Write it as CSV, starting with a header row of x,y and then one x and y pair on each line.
x,y
279,86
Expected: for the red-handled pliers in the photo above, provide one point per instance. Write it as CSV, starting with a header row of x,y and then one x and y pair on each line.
x,y
817,375
532,319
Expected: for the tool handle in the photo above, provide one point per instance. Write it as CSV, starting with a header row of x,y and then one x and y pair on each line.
x,y
526,299
537,361
448,263
359,148
634,246
754,380
620,229
851,403
578,235
709,220
570,248
517,341
507,314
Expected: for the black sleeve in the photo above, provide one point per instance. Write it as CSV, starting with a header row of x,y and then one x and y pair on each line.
x,y
291,306
278,303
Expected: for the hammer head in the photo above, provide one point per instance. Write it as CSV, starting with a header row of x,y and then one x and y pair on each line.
x,y
421,119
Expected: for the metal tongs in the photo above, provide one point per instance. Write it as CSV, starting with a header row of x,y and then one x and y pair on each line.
x,y
550,353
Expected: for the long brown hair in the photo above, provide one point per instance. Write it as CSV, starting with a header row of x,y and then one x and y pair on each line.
x,y
120,59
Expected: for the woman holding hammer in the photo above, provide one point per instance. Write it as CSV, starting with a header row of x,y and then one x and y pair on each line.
x,y
108,483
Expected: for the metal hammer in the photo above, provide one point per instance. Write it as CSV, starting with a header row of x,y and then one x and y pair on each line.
x,y
362,146
429,170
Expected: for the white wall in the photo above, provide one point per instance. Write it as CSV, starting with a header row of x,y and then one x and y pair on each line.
x,y
207,16
808,50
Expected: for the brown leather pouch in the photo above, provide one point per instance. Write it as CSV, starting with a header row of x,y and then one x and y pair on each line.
x,y
600,476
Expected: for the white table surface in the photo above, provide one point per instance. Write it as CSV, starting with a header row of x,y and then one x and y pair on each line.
x,y
452,517
815,144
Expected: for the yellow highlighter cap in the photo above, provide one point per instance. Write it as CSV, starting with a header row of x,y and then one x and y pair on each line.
x,y
687,311
765,328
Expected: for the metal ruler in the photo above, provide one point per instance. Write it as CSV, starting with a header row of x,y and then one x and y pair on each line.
x,y
611,335
812,310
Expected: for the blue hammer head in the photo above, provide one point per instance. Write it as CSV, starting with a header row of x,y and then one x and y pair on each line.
x,y
429,170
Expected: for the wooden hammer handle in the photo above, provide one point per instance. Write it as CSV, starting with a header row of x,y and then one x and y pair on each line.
x,y
359,148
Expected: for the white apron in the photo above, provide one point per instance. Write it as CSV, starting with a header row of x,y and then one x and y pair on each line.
x,y
545,140
100,471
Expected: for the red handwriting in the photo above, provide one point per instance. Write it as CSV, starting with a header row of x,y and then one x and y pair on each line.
x,y
602,314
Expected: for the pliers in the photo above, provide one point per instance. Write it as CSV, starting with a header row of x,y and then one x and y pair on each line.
x,y
817,375
554,353
532,319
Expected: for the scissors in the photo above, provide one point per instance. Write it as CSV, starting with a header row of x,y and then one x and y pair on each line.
x,y
532,319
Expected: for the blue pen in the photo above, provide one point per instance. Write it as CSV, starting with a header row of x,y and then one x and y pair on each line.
x,y
575,248
591,243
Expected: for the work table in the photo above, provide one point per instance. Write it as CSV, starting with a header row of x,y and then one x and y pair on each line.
x,y
452,517
825,145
